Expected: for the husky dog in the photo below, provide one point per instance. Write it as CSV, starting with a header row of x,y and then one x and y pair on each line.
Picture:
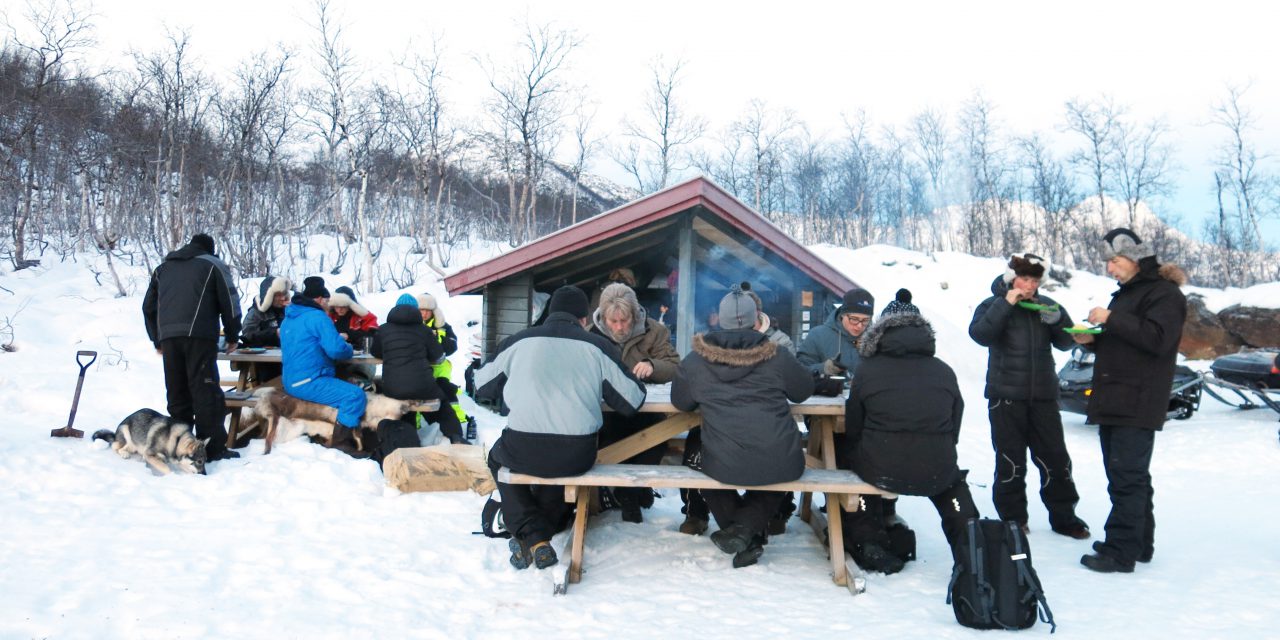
x,y
159,439
290,417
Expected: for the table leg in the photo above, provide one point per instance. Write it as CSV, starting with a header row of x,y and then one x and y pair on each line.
x,y
814,449
241,383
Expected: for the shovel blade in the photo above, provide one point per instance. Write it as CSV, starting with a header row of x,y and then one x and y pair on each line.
x,y
66,432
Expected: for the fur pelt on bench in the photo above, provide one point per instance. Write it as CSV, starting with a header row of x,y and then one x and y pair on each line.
x,y
289,417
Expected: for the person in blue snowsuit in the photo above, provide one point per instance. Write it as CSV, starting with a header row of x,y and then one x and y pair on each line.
x,y
309,345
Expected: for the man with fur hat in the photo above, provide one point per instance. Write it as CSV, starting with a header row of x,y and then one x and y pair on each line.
x,y
554,377
309,348
262,325
357,325
1022,393
433,318
647,352
831,348
189,293
743,383
1135,356
903,422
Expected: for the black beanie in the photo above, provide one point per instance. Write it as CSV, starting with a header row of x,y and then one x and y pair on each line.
x,y
313,287
204,241
569,299
858,301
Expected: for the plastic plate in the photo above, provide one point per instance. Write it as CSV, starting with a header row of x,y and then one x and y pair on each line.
x,y
251,350
1027,304
1084,330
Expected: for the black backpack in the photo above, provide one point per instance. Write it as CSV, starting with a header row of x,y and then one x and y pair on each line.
x,y
993,585
392,435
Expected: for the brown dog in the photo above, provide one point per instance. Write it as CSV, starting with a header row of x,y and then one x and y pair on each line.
x,y
310,418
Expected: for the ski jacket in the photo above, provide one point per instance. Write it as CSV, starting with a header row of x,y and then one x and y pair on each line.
x,y
448,342
553,378
1020,363
742,382
407,349
188,294
902,419
828,340
1137,351
262,322
309,343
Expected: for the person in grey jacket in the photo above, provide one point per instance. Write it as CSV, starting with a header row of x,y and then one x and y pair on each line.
x,y
553,378
742,383
832,347
1022,395
189,293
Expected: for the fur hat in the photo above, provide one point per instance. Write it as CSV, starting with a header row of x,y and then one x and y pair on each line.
x,y
1123,242
428,301
204,241
857,301
279,284
313,287
342,297
737,310
571,300
1027,264
623,275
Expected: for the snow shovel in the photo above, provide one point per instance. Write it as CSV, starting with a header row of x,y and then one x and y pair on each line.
x,y
67,431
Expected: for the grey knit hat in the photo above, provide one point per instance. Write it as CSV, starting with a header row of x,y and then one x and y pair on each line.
x,y
737,310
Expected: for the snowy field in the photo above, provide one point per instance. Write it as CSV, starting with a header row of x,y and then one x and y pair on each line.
x,y
308,543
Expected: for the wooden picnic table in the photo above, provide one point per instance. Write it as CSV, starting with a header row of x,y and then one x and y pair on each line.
x,y
825,418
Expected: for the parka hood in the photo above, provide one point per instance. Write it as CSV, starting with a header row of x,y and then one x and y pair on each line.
x,y
900,334
733,354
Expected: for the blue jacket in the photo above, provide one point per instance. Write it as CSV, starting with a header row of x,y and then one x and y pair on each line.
x,y
829,340
309,343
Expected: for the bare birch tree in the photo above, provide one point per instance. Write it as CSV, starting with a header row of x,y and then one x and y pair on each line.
x,y
656,149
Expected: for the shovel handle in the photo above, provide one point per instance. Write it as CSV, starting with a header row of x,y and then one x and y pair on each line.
x,y
93,357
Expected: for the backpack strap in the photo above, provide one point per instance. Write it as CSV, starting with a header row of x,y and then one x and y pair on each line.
x,y
1026,577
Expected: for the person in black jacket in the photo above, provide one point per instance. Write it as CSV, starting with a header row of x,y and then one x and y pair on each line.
x,y
189,292
408,350
902,422
1135,356
1022,394
262,325
742,382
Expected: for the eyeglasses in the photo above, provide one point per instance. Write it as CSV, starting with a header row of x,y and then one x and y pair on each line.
x,y
857,322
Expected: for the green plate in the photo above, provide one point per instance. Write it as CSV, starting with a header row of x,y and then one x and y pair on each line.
x,y
1026,304
1090,330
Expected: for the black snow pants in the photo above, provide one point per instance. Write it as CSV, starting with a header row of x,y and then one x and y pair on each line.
x,y
1131,526
1019,425
191,383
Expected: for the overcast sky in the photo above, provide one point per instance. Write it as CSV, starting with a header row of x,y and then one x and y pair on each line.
x,y
824,60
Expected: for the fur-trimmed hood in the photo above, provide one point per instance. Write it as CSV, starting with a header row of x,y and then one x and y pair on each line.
x,y
732,354
270,286
344,300
1173,273
900,334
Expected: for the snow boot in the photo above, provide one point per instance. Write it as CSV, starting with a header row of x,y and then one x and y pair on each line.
x,y
873,557
543,555
1078,530
732,539
693,526
520,556
1145,557
1105,563
751,554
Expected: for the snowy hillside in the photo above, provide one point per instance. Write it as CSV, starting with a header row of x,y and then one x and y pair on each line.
x,y
308,543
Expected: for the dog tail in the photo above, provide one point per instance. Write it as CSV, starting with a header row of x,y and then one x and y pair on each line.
x,y
105,435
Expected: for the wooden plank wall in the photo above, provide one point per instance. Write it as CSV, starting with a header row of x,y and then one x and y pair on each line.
x,y
507,305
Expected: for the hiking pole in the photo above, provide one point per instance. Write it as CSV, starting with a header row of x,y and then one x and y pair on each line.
x,y
67,431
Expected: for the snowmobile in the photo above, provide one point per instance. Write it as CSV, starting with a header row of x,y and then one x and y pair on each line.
x,y
1076,382
1238,376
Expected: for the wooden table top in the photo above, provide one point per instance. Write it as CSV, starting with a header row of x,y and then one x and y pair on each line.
x,y
273,355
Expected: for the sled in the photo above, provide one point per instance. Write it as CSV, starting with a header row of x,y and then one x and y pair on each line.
x,y
1076,381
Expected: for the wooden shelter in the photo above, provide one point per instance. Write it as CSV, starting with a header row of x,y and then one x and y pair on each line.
x,y
686,245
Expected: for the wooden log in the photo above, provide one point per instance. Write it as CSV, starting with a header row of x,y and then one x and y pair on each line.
x,y
443,467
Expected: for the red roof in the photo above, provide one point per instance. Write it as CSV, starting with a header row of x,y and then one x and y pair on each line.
x,y
638,213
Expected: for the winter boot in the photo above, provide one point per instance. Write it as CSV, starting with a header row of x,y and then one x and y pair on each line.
x,y
732,539
629,502
873,557
1077,529
520,556
693,526
751,554
1105,563
471,429
1144,557
543,555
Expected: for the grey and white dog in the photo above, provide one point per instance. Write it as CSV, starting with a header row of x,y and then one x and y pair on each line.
x,y
159,439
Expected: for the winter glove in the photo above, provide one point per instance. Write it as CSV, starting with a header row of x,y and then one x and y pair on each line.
x,y
830,368
1051,316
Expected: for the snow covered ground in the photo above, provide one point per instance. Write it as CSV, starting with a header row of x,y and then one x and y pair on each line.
x,y
308,543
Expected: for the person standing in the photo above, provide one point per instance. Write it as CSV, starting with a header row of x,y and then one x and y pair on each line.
x,y
742,382
553,377
189,293
1135,356
1022,393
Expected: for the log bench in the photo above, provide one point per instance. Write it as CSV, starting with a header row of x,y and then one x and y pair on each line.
x,y
841,488
237,400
